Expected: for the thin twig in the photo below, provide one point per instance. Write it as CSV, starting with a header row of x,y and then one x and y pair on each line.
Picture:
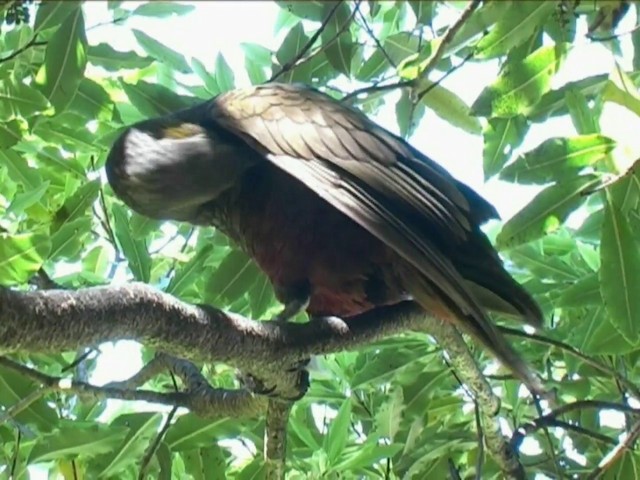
x,y
367,28
446,40
156,443
614,455
209,403
31,43
307,46
326,44
574,352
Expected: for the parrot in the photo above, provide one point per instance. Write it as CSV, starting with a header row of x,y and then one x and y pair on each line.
x,y
342,215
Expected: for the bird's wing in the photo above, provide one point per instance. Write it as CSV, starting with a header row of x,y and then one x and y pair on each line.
x,y
372,176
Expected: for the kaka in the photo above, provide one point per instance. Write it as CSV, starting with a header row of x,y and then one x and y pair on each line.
x,y
341,215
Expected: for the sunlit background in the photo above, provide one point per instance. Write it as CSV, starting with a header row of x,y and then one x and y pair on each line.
x,y
220,26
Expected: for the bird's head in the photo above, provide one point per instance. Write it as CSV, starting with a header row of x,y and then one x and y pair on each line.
x,y
168,167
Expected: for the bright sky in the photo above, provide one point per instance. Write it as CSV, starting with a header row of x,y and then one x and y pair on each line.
x,y
223,25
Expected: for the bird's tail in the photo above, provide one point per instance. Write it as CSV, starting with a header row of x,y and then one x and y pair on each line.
x,y
480,328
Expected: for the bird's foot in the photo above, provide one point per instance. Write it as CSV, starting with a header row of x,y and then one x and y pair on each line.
x,y
291,392
291,309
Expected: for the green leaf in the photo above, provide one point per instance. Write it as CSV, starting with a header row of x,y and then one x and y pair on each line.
x,y
501,137
376,65
161,52
233,278
105,56
554,102
69,240
520,85
338,433
134,250
403,45
186,275
21,256
584,118
256,59
311,10
20,100
65,62
163,9
224,75
546,212
620,273
514,28
558,159
582,293
15,387
408,114
205,463
85,439
142,427
423,10
92,101
261,296
291,45
189,432
10,133
341,49
209,80
450,107
621,90
153,100
24,200
51,14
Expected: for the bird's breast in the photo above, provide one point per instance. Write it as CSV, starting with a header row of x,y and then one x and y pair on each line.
x,y
295,236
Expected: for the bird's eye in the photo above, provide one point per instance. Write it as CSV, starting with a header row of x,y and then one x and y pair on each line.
x,y
184,130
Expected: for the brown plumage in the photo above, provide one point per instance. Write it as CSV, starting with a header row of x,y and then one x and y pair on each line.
x,y
342,215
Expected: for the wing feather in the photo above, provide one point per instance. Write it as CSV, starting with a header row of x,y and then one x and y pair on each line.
x,y
371,175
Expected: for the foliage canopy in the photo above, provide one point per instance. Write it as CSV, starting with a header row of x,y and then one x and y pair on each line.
x,y
392,409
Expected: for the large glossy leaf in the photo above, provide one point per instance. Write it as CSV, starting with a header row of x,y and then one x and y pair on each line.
x,y
520,85
546,212
65,61
620,273
514,28
291,45
161,52
558,159
501,137
22,255
53,13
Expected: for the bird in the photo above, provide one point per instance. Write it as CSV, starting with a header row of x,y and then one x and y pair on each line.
x,y
342,215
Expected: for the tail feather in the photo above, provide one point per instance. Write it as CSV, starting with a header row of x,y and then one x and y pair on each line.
x,y
481,328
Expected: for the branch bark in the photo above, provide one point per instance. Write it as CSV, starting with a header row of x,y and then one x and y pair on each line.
x,y
59,320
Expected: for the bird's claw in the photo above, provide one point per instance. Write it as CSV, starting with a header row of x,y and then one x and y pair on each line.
x,y
301,385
